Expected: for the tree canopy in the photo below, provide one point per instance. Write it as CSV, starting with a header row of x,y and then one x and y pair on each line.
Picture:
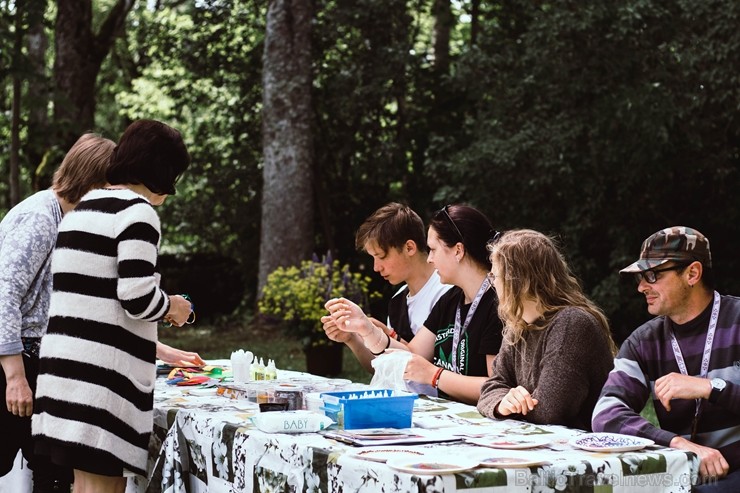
x,y
596,122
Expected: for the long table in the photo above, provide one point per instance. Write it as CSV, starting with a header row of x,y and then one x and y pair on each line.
x,y
207,443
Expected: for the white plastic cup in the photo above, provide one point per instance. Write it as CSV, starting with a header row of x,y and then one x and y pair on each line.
x,y
241,371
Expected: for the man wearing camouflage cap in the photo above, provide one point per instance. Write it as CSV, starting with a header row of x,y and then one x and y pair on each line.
x,y
687,359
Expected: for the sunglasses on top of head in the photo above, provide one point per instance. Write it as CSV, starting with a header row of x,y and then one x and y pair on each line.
x,y
452,222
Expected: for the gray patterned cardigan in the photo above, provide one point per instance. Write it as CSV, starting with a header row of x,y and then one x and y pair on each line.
x,y
28,233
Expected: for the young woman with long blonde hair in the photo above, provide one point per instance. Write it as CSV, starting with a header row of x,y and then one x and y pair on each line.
x,y
557,350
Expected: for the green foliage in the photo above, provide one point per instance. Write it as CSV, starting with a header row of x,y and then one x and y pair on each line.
x,y
198,68
600,123
296,295
368,64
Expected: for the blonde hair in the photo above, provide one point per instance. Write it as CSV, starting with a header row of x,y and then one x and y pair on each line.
x,y
532,267
83,167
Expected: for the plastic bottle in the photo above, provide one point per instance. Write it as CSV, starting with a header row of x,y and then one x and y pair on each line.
x,y
259,371
253,370
271,370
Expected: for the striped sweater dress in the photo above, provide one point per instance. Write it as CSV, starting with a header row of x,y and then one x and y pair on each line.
x,y
95,389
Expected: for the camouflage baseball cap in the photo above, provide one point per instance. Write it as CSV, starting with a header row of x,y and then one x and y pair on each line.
x,y
679,243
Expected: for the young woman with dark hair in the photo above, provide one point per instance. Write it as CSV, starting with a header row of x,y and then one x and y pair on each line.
x,y
151,154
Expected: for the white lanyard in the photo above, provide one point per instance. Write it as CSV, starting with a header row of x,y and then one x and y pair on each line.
x,y
461,329
707,347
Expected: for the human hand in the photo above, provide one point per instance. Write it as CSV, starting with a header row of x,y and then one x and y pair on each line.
x,y
180,310
178,357
418,368
679,386
333,332
517,401
18,396
712,463
349,317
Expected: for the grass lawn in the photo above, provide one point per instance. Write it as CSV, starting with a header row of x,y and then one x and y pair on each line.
x,y
649,413
218,343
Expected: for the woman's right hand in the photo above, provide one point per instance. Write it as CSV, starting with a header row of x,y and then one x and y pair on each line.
x,y
418,369
517,401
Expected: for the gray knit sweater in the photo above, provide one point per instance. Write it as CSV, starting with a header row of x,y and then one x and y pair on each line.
x,y
563,366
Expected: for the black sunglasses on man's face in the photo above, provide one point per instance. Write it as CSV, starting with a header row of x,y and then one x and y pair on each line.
x,y
650,276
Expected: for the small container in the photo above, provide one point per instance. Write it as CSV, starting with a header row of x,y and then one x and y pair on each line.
x,y
251,390
241,371
264,392
290,393
266,407
340,384
259,370
240,365
374,408
314,401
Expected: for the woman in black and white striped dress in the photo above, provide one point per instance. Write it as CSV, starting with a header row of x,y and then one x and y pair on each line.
x,y
97,361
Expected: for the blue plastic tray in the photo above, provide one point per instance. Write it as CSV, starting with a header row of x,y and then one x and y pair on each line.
x,y
354,410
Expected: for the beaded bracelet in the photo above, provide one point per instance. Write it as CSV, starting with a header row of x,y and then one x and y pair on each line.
x,y
386,347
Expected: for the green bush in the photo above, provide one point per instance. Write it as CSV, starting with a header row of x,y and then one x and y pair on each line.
x,y
295,296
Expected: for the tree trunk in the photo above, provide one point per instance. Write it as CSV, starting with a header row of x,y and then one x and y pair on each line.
x,y
79,55
443,21
15,114
474,22
286,235
39,94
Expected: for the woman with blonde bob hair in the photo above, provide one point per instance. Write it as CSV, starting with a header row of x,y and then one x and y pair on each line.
x,y
557,350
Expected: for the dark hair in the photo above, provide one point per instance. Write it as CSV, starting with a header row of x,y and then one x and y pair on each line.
x,y
149,153
459,223
390,227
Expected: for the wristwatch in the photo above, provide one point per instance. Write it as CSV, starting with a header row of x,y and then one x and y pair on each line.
x,y
718,385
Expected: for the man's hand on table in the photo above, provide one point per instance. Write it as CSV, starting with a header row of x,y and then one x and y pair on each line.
x,y
713,463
